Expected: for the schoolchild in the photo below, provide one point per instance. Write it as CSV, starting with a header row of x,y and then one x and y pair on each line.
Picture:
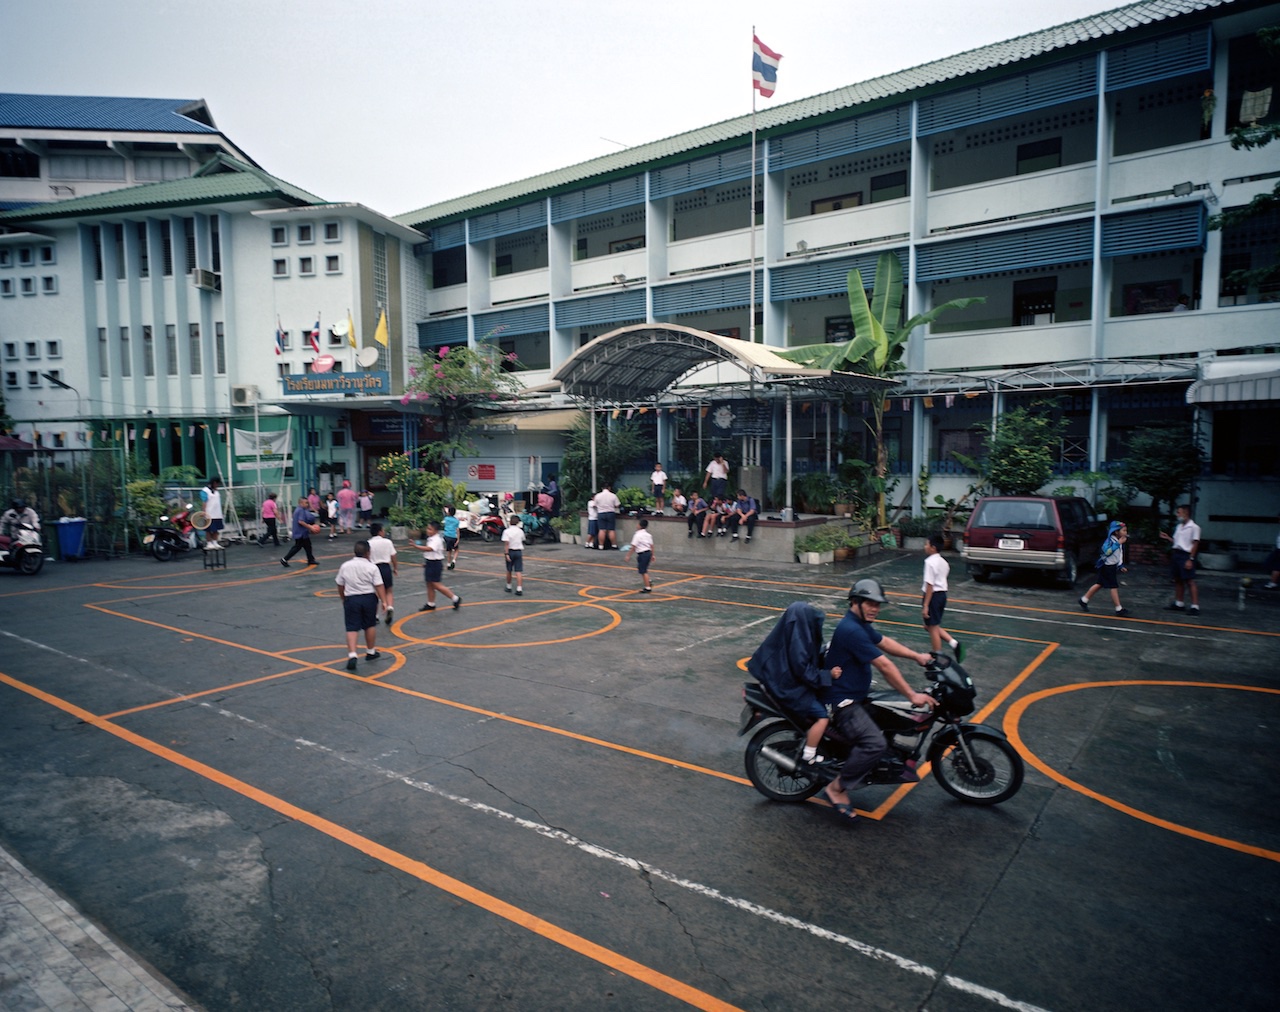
x,y
642,545
449,531
934,603
513,554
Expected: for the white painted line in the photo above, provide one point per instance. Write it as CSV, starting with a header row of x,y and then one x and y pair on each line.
x,y
728,632
705,891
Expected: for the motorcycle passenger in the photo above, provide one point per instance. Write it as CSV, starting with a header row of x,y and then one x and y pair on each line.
x,y
787,663
857,647
17,514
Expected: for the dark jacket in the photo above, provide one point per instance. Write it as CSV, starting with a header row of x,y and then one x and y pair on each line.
x,y
787,663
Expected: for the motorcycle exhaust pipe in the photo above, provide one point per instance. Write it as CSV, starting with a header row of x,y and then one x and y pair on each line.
x,y
778,759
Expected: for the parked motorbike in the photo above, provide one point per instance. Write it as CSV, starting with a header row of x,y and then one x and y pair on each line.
x,y
972,762
489,518
23,550
178,534
537,525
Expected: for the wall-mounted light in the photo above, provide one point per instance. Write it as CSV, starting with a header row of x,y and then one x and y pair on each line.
x,y
1182,189
801,246
619,279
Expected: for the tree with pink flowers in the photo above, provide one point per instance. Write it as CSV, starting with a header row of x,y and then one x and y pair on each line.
x,y
451,383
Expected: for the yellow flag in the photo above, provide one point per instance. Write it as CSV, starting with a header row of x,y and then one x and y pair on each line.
x,y
380,335
351,330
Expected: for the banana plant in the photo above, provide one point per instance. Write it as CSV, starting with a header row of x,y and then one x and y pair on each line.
x,y
876,349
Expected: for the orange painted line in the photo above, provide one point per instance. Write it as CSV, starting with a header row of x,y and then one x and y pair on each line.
x,y
1013,718
394,859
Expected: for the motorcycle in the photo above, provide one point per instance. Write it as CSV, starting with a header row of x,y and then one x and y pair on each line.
x,y
537,524
488,520
163,542
23,550
972,762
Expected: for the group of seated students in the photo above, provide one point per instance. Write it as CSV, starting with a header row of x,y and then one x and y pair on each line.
x,y
724,515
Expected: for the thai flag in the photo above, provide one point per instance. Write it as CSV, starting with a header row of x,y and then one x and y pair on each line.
x,y
314,337
279,337
764,67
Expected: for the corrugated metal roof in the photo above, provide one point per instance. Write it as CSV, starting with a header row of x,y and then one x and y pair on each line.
x,y
220,178
1093,32
83,112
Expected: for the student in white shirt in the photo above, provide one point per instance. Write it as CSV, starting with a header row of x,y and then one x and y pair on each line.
x,y
658,486
433,568
513,554
382,553
936,571
642,545
360,589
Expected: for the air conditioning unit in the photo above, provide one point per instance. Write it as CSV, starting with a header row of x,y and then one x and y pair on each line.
x,y
207,280
244,396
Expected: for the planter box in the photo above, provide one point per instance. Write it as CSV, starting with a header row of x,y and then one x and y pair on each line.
x,y
912,543
1219,561
399,533
815,558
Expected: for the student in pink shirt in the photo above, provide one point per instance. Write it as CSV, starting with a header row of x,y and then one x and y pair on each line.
x,y
347,508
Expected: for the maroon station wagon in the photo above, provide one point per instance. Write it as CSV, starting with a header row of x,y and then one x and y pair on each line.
x,y
1057,534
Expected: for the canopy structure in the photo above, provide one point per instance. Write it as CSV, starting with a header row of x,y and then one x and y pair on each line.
x,y
1236,379
640,363
647,362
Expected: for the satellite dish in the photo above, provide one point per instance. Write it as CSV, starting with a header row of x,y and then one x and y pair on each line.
x,y
367,356
341,328
322,363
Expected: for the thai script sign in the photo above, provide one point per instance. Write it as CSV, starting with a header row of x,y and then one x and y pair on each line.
x,y
363,383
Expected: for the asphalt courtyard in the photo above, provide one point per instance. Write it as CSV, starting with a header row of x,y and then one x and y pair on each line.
x,y
538,802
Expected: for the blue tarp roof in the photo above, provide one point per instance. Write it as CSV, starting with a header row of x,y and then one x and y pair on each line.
x,y
81,112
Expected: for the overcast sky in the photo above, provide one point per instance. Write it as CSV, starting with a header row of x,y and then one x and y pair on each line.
x,y
398,104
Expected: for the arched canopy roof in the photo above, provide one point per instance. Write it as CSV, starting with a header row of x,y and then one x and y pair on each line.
x,y
640,362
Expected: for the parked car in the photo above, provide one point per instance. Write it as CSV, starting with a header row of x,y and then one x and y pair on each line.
x,y
1053,533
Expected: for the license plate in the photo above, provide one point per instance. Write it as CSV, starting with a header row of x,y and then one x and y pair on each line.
x,y
148,539
1013,544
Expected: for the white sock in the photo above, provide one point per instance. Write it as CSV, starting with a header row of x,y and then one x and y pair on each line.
x,y
809,752
953,643
454,598
350,655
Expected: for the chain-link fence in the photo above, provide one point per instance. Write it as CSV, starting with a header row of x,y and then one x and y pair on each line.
x,y
88,483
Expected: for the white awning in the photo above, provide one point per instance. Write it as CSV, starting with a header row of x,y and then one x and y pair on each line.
x,y
1236,388
529,421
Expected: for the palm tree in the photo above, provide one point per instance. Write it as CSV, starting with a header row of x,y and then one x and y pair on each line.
x,y
876,348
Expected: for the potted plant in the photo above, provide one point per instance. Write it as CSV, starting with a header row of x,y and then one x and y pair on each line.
x,y
819,544
914,530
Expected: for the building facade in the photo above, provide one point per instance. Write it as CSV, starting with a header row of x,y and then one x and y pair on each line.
x,y
1068,177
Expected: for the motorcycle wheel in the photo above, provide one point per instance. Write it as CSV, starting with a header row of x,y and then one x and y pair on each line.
x,y
162,550
770,779
486,533
30,564
998,775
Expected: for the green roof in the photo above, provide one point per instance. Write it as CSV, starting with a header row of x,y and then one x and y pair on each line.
x,y
222,178
1090,33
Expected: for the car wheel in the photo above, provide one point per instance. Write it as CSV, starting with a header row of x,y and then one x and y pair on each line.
x,y
980,574
1072,572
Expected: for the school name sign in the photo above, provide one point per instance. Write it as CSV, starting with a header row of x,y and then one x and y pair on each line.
x,y
366,383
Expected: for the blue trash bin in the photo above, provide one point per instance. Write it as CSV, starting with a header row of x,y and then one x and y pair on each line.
x,y
71,532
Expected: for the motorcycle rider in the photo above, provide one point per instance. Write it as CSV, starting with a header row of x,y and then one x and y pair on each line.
x,y
857,647
17,514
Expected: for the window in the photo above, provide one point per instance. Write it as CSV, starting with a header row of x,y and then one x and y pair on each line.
x,y
219,349
1039,155
171,349
306,233
53,349
148,352
6,287
313,438
11,380
279,235
33,378
10,350
26,257
332,231
502,265
118,232
189,228
55,374
338,438
333,264
336,340
825,204
283,369
306,265
49,284
193,346
27,286
890,186
6,257
32,348
166,247
280,268
126,353
48,255
285,341
144,259
96,234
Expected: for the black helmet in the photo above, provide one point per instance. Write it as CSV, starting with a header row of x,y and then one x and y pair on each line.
x,y
18,505
868,589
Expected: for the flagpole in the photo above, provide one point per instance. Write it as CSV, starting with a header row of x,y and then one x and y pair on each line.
x,y
751,264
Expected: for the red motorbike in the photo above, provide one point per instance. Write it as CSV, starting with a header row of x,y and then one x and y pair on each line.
x,y
177,535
